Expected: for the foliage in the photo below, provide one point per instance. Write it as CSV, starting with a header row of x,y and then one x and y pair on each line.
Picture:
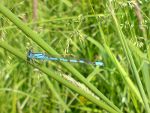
x,y
115,32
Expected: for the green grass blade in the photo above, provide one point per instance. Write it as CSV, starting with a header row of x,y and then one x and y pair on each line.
x,y
130,59
142,59
119,67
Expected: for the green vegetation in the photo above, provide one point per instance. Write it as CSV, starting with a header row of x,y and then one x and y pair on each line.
x,y
116,32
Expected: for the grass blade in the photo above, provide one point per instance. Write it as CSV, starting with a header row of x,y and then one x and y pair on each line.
x,y
130,59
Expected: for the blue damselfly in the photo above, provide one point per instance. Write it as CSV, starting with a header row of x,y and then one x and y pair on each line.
x,y
42,56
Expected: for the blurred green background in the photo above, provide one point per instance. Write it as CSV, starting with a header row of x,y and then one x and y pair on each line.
x,y
75,28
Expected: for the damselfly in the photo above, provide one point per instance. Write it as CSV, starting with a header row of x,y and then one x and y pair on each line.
x,y
42,56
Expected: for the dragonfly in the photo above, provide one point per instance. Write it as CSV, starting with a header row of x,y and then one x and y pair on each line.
x,y
42,56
